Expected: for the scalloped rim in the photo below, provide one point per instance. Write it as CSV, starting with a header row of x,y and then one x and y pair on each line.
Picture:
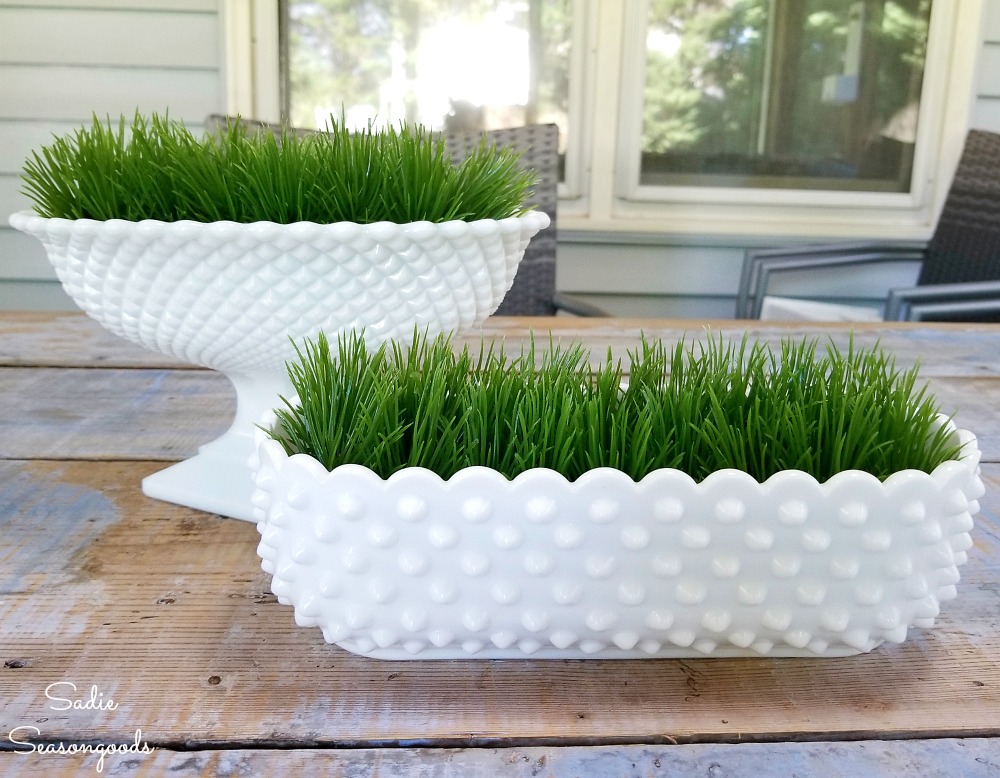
x,y
31,222
967,463
300,483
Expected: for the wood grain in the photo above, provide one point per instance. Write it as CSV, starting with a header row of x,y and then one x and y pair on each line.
x,y
966,350
98,413
126,406
70,340
168,612
939,758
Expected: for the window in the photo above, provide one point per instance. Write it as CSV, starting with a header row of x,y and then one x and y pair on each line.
x,y
817,118
804,94
445,64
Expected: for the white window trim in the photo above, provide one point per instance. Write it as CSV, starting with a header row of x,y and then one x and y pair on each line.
x,y
630,150
582,74
252,66
602,193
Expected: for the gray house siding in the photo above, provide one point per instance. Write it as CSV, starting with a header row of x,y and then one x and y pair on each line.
x,y
61,61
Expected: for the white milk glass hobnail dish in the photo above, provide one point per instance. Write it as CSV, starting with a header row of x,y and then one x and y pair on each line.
x,y
231,296
478,566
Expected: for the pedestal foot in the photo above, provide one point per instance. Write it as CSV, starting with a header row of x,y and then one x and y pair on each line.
x,y
218,478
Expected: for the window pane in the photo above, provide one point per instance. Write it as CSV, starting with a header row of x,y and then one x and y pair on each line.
x,y
813,94
446,64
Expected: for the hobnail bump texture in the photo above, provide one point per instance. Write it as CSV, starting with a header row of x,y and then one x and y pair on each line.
x,y
228,296
604,567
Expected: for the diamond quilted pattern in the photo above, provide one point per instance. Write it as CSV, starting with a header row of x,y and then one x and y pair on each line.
x,y
229,296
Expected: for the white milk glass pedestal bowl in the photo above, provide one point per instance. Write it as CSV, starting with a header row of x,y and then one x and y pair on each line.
x,y
231,296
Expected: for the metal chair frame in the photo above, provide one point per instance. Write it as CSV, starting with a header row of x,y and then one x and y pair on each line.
x,y
959,266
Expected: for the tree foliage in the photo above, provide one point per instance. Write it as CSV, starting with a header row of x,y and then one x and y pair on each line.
x,y
707,76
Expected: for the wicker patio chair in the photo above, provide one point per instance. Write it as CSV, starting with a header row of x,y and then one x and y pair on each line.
x,y
533,292
959,276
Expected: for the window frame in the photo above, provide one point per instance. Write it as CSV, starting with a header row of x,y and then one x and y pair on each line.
x,y
602,192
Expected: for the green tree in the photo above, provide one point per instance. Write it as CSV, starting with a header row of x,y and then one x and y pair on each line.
x,y
705,93
341,52
710,100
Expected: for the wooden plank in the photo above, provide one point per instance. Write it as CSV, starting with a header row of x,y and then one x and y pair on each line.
x,y
44,36
167,612
102,413
943,350
973,404
70,340
941,758
951,350
61,93
111,414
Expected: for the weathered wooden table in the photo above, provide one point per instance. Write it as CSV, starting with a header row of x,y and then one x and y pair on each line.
x,y
125,620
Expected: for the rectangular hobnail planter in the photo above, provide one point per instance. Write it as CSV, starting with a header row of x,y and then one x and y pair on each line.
x,y
479,566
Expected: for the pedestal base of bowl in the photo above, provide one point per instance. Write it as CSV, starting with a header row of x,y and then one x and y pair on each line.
x,y
237,297
214,480
217,479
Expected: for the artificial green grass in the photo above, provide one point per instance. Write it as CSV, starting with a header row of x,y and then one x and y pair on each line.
x,y
157,169
697,408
